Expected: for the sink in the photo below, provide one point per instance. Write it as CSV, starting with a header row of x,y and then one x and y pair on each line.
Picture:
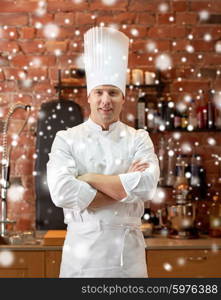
x,y
25,238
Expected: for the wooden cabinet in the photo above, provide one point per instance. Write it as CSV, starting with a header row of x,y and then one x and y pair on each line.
x,y
30,264
189,263
52,263
184,263
20,264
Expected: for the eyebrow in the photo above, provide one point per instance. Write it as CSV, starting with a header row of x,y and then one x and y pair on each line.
x,y
107,89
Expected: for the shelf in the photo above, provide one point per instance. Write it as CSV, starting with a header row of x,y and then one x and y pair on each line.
x,y
131,86
184,130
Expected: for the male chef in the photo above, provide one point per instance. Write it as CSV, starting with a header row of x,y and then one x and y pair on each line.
x,y
102,171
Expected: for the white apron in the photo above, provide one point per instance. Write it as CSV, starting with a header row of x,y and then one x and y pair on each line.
x,y
99,249
104,242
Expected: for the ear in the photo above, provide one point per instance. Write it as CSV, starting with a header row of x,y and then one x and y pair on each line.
x,y
123,99
88,99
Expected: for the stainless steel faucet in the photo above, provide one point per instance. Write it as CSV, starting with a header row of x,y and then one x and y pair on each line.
x,y
5,169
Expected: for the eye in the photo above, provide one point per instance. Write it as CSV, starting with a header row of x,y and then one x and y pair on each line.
x,y
113,93
98,92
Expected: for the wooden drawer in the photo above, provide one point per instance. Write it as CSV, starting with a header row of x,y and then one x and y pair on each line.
x,y
183,263
24,264
52,263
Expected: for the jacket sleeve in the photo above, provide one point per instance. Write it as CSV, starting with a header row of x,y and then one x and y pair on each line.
x,y
66,191
142,185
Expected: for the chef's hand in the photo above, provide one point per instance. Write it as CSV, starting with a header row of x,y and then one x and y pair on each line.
x,y
85,177
138,166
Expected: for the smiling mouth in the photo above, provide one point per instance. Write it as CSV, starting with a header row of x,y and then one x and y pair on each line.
x,y
105,110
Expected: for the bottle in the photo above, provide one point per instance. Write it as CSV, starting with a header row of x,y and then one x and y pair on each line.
x,y
169,113
162,161
217,117
141,112
195,179
201,113
195,171
181,185
150,115
215,216
161,109
171,164
210,114
177,120
184,119
192,120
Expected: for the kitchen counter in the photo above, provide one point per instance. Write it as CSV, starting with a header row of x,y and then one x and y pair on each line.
x,y
155,242
158,242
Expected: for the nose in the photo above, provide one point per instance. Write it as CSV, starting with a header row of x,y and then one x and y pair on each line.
x,y
106,99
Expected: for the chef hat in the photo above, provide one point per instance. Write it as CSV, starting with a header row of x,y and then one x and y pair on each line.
x,y
106,57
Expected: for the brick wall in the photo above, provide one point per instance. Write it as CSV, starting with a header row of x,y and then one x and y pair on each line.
x,y
171,24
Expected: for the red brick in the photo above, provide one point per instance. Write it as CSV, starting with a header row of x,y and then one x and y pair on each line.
x,y
167,32
12,72
179,5
6,33
68,6
43,87
186,18
184,73
200,31
2,77
8,46
213,59
192,59
164,18
142,31
7,86
53,74
145,18
63,60
13,19
24,60
140,46
190,85
26,99
118,5
37,72
20,6
83,18
181,45
46,18
77,49
201,5
32,46
138,60
61,17
116,18
202,46
144,5
23,166
3,61
51,46
27,33
215,6
64,33
216,84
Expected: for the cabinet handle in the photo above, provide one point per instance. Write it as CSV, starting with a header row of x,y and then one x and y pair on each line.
x,y
196,258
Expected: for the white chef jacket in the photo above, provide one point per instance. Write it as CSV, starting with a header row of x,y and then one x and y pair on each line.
x,y
102,242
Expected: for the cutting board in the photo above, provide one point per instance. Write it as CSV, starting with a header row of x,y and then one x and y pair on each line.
x,y
54,237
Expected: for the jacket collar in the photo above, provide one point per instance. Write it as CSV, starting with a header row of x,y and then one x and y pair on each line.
x,y
97,127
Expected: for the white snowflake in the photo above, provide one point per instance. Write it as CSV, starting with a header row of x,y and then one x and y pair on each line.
x,y
109,2
6,258
51,31
163,62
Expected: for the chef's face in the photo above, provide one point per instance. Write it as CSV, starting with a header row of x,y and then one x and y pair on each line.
x,y
106,103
